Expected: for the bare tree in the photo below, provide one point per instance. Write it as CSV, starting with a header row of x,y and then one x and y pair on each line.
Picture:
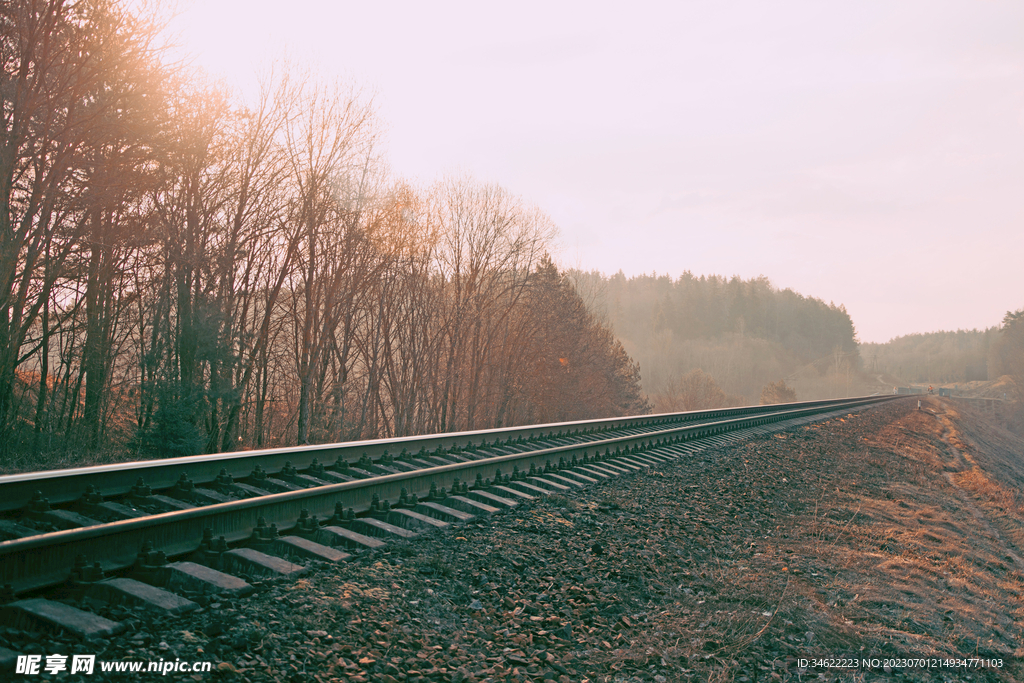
x,y
255,259
77,79
696,390
329,141
488,244
777,392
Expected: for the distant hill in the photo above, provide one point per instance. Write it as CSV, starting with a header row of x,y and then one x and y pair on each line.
x,y
744,333
936,357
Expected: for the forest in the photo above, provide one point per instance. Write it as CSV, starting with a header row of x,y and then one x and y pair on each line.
x,y
956,358
742,335
938,357
182,272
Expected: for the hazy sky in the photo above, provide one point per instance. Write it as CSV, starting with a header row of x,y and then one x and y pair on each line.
x,y
867,153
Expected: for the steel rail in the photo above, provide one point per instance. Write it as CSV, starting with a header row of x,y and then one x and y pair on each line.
x,y
44,560
68,485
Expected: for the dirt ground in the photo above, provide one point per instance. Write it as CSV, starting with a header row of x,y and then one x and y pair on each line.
x,y
887,541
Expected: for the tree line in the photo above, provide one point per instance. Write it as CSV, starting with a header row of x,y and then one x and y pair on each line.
x,y
182,273
1007,356
742,335
938,357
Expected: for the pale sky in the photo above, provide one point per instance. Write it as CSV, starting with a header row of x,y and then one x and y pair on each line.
x,y
869,153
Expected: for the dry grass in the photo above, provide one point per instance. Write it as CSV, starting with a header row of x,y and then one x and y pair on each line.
x,y
981,485
45,460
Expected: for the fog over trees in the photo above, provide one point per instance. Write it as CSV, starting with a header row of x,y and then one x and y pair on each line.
x,y
1008,357
742,335
938,357
180,273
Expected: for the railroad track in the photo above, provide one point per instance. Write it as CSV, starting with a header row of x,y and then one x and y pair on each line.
x,y
264,513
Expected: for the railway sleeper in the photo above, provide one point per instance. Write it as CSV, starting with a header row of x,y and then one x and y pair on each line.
x,y
443,512
198,579
510,493
413,520
381,529
10,530
49,615
109,510
243,490
492,499
644,461
250,562
627,465
126,591
547,483
594,472
473,507
360,473
39,510
578,477
165,503
91,504
448,459
532,488
277,485
185,490
306,481
400,466
423,463
657,456
298,547
384,470
203,496
336,536
612,467
561,480
608,468
334,477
